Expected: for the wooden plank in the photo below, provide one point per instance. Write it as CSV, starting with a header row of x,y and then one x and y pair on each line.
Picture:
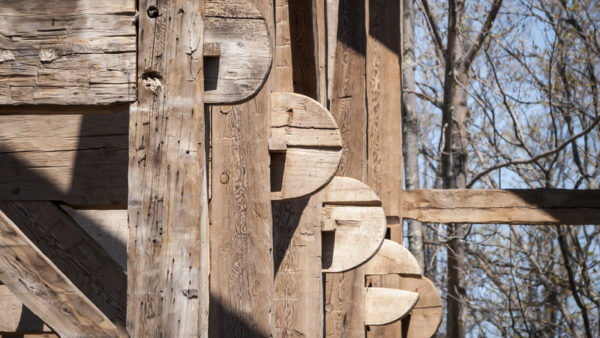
x,y
245,54
384,167
313,146
426,317
107,227
384,306
67,52
78,159
167,210
392,258
298,276
354,231
40,284
298,306
17,318
241,234
539,206
344,292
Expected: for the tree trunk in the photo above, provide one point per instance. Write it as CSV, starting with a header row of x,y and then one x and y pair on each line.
x,y
411,127
454,160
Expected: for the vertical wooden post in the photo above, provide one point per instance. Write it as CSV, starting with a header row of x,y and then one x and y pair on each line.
x,y
345,292
167,205
241,233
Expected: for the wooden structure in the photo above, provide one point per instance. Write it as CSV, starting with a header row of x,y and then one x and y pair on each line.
x,y
173,169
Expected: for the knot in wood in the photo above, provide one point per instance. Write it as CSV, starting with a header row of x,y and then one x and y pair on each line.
x,y
224,178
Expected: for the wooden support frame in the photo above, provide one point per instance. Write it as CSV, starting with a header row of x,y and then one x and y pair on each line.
x,y
53,267
519,206
167,254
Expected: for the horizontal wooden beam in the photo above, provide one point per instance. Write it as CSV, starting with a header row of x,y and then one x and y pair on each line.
x,y
67,52
527,206
48,263
78,159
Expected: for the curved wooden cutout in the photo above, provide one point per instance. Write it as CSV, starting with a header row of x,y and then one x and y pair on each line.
x,y
384,306
426,316
392,258
237,50
305,146
353,224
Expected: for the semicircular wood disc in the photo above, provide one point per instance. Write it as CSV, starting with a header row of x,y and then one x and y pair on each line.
x,y
305,146
384,306
426,317
392,257
353,224
237,51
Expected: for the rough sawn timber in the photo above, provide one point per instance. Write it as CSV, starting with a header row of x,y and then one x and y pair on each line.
x,y
353,223
245,55
67,52
426,317
241,233
298,306
52,295
384,306
345,292
17,318
78,159
539,206
313,146
168,219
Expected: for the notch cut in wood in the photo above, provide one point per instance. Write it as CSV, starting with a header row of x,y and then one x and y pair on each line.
x,y
32,276
305,146
384,306
244,57
353,231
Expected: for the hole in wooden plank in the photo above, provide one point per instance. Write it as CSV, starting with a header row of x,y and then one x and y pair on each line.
x,y
277,170
327,246
211,72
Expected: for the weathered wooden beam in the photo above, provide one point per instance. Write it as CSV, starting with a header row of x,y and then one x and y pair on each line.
x,y
78,159
426,317
345,292
538,206
17,318
313,146
167,208
52,267
245,52
67,52
241,233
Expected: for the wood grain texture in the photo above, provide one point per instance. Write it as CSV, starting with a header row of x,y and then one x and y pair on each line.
x,y
75,253
540,206
344,292
383,305
39,283
393,257
354,231
67,52
241,233
298,277
78,159
17,318
168,249
331,9
107,227
245,51
384,167
426,316
313,146
391,330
